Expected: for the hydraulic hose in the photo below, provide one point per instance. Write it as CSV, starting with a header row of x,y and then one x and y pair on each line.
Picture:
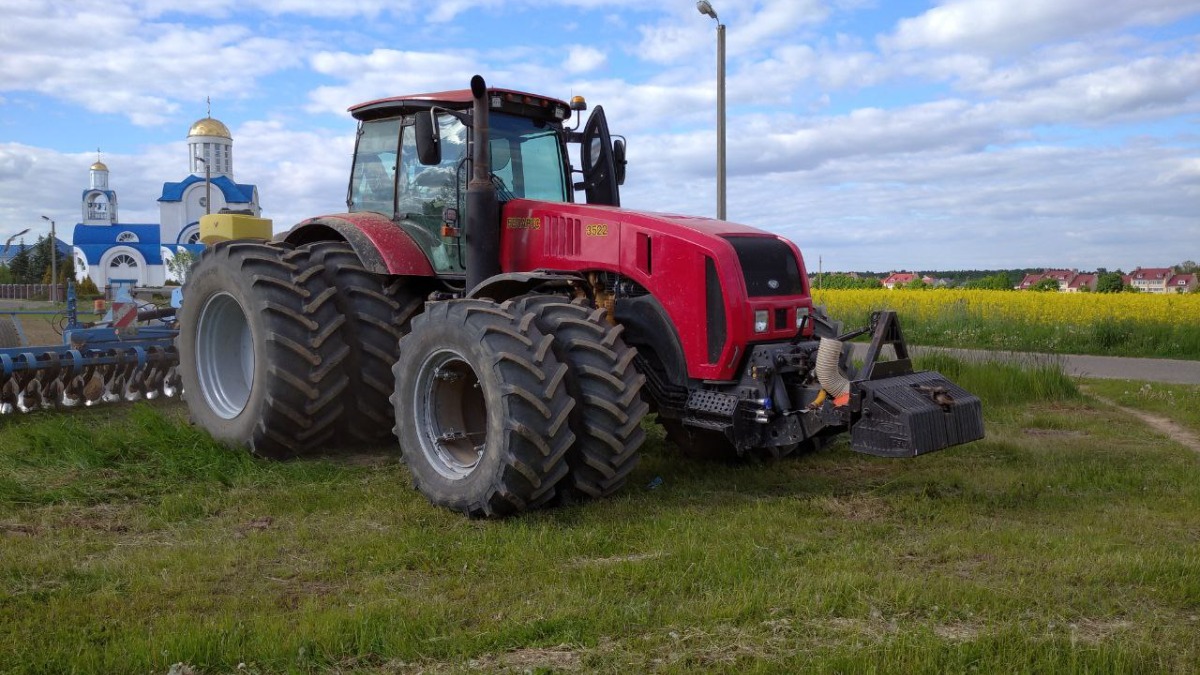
x,y
829,374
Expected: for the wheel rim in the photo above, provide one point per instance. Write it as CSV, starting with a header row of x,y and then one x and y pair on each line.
x,y
450,411
224,356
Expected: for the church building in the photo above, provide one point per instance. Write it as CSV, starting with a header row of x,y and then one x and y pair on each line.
x,y
107,249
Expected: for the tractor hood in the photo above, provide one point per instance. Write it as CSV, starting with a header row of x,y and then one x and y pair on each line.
x,y
554,235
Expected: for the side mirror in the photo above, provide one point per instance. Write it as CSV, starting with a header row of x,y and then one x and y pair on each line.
x,y
429,139
619,160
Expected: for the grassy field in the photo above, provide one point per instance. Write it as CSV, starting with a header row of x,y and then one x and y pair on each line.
x,y
1114,324
1067,541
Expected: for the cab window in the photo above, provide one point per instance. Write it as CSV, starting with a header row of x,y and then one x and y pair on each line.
x,y
373,178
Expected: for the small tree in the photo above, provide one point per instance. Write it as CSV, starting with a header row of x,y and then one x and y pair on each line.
x,y
999,281
86,288
19,267
1045,285
181,263
1109,282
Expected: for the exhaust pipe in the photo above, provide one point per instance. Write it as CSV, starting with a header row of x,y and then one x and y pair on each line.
x,y
483,210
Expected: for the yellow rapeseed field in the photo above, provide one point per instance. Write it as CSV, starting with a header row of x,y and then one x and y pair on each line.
x,y
1024,306
1137,324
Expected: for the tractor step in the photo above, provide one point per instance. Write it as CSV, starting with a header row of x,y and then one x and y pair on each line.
x,y
910,415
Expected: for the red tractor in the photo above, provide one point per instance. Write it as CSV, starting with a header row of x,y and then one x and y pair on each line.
x,y
513,339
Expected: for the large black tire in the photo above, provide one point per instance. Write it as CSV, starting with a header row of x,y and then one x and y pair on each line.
x,y
260,350
607,419
482,409
378,310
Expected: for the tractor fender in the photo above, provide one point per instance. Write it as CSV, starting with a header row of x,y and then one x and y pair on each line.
x,y
383,246
507,286
649,328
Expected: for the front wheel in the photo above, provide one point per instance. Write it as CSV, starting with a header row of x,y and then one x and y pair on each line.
x,y
482,408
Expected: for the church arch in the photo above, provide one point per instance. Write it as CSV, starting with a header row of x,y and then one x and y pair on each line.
x,y
124,262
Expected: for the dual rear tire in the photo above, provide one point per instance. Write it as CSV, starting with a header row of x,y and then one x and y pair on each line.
x,y
499,408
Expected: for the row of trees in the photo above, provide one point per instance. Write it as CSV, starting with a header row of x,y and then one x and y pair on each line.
x,y
31,264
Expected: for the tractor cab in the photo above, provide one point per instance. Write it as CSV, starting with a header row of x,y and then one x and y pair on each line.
x,y
413,162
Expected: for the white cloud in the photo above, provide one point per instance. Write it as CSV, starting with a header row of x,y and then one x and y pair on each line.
x,y
985,26
385,72
582,59
95,58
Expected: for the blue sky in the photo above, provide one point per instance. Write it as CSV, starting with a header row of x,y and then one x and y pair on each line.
x,y
877,135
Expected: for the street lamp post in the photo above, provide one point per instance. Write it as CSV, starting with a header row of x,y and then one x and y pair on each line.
x,y
53,261
706,8
207,186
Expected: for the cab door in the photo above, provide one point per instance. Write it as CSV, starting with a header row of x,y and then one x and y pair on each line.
x,y
600,182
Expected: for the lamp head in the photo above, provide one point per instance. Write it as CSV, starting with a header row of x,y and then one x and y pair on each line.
x,y
706,8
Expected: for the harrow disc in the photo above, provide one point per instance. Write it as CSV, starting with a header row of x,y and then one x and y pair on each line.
x,y
67,378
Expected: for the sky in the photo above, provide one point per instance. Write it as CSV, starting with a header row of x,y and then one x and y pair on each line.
x,y
962,134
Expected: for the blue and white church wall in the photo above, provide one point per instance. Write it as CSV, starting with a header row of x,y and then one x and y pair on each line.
x,y
108,249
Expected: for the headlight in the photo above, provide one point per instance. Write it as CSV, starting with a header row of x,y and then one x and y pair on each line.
x,y
761,317
801,317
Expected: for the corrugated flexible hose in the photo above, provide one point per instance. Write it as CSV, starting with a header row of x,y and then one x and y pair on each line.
x,y
829,374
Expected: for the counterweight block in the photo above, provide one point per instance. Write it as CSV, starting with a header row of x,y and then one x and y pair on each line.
x,y
910,415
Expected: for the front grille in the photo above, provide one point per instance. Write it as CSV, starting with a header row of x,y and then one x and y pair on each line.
x,y
768,265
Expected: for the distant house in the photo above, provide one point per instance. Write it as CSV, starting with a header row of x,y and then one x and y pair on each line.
x,y
1069,281
898,279
1153,279
1082,282
1182,283
1028,282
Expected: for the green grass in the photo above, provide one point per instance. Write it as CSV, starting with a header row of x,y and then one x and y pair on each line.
x,y
1064,542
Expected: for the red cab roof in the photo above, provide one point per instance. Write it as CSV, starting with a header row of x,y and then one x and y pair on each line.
x,y
456,98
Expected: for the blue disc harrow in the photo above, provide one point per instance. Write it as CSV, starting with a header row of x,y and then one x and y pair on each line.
x,y
97,363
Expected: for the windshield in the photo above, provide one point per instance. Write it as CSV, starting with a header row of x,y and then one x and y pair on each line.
x,y
527,156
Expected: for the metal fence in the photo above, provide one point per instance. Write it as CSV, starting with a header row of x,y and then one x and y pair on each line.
x,y
29,291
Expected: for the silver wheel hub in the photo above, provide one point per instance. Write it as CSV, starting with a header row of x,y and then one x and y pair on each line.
x,y
450,412
224,356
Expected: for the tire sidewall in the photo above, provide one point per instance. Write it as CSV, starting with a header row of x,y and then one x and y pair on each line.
x,y
204,283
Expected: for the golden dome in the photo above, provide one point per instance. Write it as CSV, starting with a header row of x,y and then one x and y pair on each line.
x,y
209,127
99,166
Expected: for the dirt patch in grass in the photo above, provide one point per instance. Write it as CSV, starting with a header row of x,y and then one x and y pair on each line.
x,y
957,632
613,560
553,659
18,530
1168,428
857,507
1057,433
1094,631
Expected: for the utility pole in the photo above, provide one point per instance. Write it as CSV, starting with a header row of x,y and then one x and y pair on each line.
x,y
53,262
706,8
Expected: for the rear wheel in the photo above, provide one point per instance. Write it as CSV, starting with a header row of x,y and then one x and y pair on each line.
x,y
606,387
482,408
377,310
260,357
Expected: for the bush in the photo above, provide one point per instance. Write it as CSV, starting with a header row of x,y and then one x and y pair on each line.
x,y
86,287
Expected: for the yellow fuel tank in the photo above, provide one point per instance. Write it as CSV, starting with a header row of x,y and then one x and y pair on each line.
x,y
216,227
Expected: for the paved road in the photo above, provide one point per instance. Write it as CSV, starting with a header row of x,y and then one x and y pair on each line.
x,y
1170,371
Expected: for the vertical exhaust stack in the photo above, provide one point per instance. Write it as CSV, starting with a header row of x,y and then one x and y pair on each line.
x,y
483,210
